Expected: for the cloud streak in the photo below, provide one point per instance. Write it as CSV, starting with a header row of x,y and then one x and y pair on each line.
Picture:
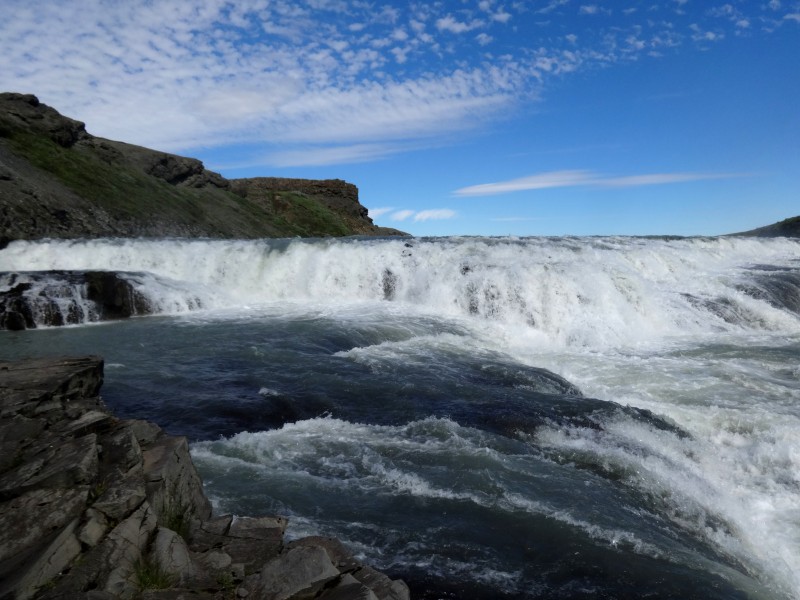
x,y
580,178
319,82
432,214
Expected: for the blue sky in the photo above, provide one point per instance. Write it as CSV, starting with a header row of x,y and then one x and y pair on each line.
x,y
457,117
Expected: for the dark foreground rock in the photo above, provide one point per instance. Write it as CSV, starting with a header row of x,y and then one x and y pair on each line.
x,y
787,228
96,507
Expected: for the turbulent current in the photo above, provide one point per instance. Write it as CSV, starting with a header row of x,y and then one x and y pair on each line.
x,y
483,417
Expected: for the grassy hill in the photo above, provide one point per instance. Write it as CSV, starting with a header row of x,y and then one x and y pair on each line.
x,y
57,180
787,228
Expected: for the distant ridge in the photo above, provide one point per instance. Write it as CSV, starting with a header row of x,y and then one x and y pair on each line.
x,y
59,181
787,228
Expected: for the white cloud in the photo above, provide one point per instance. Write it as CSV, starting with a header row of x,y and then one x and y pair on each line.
x,y
512,219
453,25
377,212
561,179
659,179
315,81
435,214
401,215
701,35
331,155
501,16
533,182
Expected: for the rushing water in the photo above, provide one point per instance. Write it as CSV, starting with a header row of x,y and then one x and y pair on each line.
x,y
486,418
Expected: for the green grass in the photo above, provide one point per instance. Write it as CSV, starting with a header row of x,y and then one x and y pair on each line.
x,y
175,516
128,194
150,576
123,191
306,216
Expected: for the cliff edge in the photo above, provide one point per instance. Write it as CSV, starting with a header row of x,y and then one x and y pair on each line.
x,y
59,181
787,228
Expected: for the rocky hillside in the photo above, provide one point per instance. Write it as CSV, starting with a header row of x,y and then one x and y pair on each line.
x,y
786,228
57,180
94,507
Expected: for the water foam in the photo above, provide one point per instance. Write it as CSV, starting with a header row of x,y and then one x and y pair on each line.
x,y
591,292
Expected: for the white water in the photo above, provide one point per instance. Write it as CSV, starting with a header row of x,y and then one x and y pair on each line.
x,y
595,292
664,325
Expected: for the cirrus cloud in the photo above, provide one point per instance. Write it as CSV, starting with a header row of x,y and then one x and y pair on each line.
x,y
575,178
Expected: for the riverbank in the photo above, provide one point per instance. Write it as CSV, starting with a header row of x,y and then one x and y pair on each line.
x,y
92,506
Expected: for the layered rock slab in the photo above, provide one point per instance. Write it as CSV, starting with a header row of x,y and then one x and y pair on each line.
x,y
96,507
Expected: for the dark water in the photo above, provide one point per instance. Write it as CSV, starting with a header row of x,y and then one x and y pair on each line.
x,y
485,418
422,457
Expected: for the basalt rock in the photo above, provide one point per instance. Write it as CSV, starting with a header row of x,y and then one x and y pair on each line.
x,y
787,228
24,111
55,298
93,507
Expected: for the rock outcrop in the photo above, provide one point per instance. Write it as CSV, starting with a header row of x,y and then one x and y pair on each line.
x,y
96,507
786,228
328,205
59,181
54,298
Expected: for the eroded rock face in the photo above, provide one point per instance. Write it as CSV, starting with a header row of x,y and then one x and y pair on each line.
x,y
27,112
56,298
98,508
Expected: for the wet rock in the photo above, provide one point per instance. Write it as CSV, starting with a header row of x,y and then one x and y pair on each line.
x,y
381,585
56,298
211,533
299,573
251,541
348,588
90,505
115,296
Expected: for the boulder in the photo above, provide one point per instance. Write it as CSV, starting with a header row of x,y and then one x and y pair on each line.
x,y
299,573
116,557
96,508
251,541
171,554
348,588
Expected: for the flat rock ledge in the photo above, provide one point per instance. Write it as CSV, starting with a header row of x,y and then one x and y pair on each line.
x,y
96,507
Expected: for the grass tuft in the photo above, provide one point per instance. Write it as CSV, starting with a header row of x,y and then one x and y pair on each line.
x,y
150,576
